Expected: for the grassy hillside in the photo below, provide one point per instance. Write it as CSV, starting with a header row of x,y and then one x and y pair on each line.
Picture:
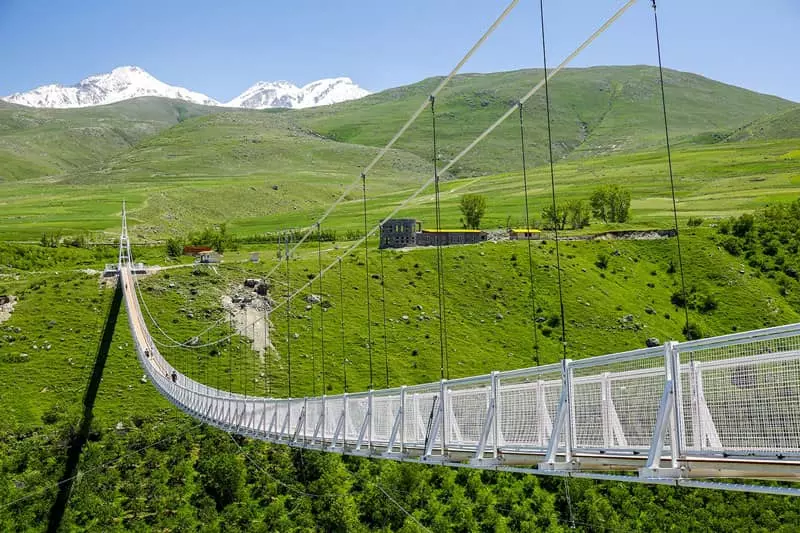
x,y
785,125
39,142
597,110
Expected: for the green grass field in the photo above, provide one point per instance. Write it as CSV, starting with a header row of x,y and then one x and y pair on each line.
x,y
182,168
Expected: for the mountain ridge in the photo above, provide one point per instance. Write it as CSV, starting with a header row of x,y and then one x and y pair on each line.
x,y
129,82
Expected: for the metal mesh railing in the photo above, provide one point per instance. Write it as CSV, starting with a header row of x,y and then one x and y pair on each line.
x,y
741,394
734,396
615,400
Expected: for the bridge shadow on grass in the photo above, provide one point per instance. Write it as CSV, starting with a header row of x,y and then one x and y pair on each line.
x,y
79,439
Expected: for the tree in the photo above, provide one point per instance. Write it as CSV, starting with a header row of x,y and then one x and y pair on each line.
x,y
473,207
174,247
611,203
554,218
578,214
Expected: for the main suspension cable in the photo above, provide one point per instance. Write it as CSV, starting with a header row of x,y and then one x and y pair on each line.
x,y
457,158
528,236
553,181
408,123
688,331
483,135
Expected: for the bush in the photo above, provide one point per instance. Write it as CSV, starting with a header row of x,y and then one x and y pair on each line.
x,y
602,261
732,245
694,222
174,247
692,331
743,225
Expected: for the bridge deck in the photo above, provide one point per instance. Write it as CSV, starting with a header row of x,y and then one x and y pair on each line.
x,y
720,407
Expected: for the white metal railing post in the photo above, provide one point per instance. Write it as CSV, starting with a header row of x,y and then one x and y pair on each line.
x,y
443,415
323,423
344,421
369,419
402,418
666,423
570,427
563,423
677,438
497,413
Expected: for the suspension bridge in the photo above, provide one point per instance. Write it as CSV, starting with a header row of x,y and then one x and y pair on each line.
x,y
682,414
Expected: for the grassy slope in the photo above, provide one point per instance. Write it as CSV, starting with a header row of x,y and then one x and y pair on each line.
x,y
223,167
38,142
784,125
595,110
488,309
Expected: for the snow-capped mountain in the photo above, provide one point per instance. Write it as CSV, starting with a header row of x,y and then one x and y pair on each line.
x,y
122,83
285,94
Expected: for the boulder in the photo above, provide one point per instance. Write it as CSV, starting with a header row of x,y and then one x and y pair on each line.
x,y
652,342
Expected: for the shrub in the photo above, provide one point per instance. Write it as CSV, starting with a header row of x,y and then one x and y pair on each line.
x,y
602,261
694,222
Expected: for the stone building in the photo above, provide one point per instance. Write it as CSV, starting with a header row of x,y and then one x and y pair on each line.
x,y
402,232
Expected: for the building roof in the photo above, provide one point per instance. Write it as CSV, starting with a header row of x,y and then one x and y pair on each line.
x,y
451,231
523,230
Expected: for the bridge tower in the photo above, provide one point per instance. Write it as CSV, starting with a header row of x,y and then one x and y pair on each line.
x,y
124,242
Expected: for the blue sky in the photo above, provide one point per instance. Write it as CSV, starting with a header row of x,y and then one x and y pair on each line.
x,y
221,48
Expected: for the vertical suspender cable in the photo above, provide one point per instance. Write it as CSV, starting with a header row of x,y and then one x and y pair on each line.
x,y
313,358
383,304
230,353
528,236
444,370
321,307
671,176
553,181
267,352
288,321
341,327
366,269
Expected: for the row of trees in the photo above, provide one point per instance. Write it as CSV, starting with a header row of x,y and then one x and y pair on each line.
x,y
609,203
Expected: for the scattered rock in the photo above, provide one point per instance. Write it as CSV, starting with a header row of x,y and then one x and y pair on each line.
x,y
499,316
652,342
296,335
308,307
274,187
189,315
171,285
418,307
404,317
120,426
313,299
627,318
194,341
649,310
143,379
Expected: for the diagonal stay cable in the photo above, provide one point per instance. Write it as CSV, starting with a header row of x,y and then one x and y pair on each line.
x,y
455,160
405,127
482,136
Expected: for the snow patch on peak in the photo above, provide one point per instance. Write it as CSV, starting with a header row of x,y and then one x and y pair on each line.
x,y
122,83
263,95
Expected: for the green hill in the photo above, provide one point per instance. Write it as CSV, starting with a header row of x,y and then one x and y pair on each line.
x,y
39,142
597,110
785,125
